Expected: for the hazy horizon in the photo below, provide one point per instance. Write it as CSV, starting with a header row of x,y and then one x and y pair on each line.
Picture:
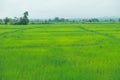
x,y
60,8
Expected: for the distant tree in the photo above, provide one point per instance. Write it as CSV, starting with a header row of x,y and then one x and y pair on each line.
x,y
80,20
1,21
97,20
49,20
111,20
15,20
24,20
62,20
67,20
94,20
46,21
73,21
90,20
6,20
56,19
84,20
119,19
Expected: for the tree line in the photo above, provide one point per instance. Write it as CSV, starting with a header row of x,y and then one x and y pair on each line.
x,y
16,21
24,20
63,20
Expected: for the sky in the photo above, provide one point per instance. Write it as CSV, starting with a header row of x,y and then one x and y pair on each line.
x,y
60,8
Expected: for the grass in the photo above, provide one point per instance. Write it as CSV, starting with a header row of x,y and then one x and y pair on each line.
x,y
60,52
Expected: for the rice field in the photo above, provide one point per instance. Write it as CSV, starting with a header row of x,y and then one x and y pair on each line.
x,y
60,52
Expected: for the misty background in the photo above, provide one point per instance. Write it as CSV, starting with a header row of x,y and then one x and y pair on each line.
x,y
60,8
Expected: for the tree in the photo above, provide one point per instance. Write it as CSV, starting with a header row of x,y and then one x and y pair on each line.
x,y
15,20
62,20
7,20
50,21
119,19
26,14
1,21
24,20
56,19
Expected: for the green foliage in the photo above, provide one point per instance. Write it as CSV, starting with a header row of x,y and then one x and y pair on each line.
x,y
119,19
19,21
1,21
60,52
7,20
24,20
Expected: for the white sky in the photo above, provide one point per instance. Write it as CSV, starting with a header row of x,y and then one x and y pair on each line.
x,y
60,8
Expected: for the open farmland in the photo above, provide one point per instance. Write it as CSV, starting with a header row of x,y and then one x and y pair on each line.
x,y
60,52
